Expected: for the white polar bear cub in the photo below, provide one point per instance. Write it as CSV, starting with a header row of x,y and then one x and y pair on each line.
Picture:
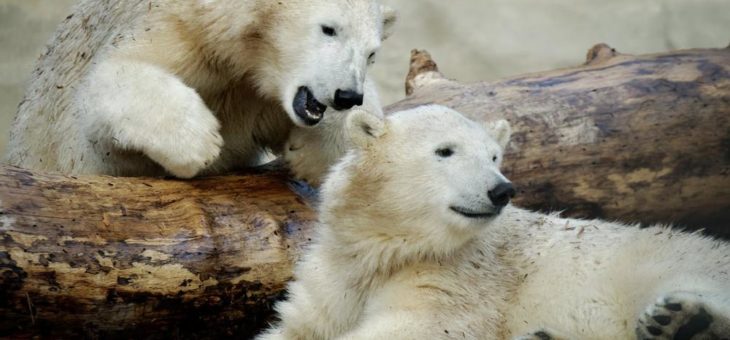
x,y
417,242
187,87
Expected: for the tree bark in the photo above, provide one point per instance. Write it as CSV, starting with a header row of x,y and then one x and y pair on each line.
x,y
642,138
145,257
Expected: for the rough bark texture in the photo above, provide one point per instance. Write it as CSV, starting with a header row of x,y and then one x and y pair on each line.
x,y
143,257
634,138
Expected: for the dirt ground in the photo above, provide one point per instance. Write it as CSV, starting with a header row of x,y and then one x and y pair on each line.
x,y
470,39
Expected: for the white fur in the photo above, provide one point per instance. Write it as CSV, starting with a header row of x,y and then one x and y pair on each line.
x,y
392,261
187,87
304,151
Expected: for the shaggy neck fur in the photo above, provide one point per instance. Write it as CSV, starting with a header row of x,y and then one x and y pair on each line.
x,y
380,256
358,231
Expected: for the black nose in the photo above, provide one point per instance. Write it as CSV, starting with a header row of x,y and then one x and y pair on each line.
x,y
347,99
501,194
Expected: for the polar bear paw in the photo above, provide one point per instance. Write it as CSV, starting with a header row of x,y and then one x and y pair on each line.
x,y
185,153
678,315
184,144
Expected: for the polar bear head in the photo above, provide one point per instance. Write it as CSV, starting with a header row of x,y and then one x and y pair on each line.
x,y
306,54
326,57
428,176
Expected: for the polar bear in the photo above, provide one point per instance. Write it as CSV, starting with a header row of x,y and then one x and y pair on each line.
x,y
417,241
145,87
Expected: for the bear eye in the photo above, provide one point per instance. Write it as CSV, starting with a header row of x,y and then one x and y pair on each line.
x,y
444,152
494,159
329,31
371,57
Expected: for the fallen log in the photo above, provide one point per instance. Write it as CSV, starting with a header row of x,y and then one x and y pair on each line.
x,y
144,257
640,138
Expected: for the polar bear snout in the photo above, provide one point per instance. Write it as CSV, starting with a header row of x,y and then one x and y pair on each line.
x,y
501,194
346,99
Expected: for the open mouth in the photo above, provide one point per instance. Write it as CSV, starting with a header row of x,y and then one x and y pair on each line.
x,y
307,107
473,213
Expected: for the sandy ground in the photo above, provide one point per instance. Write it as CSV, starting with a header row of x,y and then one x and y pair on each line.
x,y
470,39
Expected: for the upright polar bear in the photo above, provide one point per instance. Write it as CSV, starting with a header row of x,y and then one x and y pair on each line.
x,y
417,242
140,87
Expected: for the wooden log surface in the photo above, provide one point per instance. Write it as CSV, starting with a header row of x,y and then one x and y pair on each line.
x,y
139,257
642,138
634,138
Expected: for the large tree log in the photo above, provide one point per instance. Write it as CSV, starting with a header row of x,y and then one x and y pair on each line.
x,y
138,257
641,138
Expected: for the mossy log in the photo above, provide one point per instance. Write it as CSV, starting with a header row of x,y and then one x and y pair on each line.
x,y
643,138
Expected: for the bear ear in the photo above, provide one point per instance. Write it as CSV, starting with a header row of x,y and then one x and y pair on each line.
x,y
390,16
500,131
363,127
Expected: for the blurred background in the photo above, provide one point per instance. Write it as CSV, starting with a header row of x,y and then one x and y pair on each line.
x,y
470,39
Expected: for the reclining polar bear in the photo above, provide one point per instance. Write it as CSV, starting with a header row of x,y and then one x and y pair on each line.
x,y
417,242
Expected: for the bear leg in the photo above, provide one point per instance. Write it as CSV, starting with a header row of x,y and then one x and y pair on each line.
x,y
142,107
